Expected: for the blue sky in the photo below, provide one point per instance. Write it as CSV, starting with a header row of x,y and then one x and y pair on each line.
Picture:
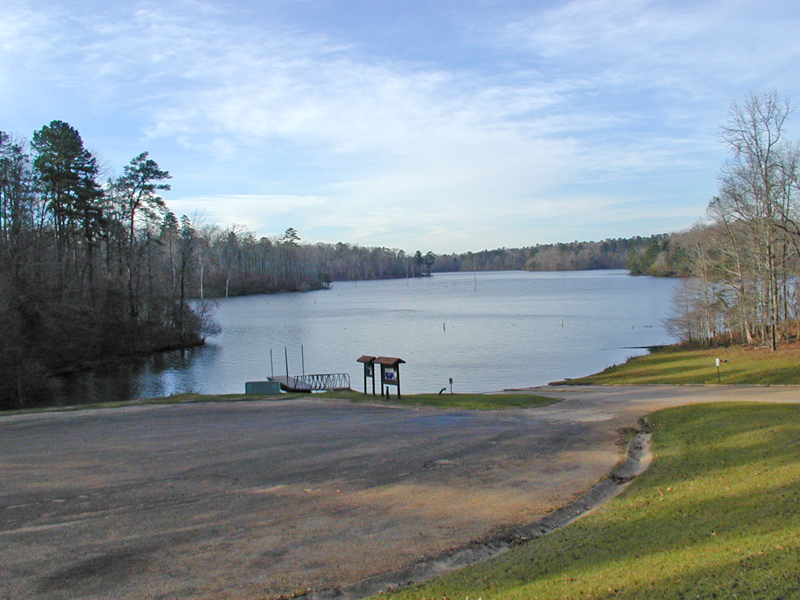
x,y
438,125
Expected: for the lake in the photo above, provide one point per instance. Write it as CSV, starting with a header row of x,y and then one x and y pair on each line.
x,y
487,331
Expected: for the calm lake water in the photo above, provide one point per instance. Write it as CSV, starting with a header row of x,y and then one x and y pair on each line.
x,y
488,331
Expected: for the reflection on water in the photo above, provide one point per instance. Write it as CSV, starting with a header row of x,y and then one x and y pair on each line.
x,y
488,331
162,374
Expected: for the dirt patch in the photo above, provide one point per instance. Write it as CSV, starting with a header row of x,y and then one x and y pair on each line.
x,y
637,460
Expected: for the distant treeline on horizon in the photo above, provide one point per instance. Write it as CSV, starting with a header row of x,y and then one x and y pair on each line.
x,y
236,263
661,255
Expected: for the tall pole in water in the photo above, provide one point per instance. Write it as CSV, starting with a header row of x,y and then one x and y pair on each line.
x,y
271,364
303,359
286,358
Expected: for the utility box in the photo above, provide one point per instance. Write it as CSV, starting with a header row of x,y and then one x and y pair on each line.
x,y
390,373
369,371
262,388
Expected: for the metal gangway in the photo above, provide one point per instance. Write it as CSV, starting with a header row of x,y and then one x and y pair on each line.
x,y
313,383
308,383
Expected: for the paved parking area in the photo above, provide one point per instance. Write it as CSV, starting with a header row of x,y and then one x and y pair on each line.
x,y
258,499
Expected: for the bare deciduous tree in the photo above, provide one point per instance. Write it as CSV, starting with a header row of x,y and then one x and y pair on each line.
x,y
752,248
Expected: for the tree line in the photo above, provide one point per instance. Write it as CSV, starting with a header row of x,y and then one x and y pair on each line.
x,y
744,262
234,261
94,268
88,268
640,255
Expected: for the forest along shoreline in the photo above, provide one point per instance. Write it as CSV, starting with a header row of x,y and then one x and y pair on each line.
x,y
93,269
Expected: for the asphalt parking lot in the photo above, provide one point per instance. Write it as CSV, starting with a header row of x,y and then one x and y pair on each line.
x,y
259,499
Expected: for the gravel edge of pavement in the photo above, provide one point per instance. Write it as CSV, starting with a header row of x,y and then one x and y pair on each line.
x,y
636,462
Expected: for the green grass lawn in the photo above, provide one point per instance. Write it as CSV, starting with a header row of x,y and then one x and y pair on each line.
x,y
464,401
717,515
676,365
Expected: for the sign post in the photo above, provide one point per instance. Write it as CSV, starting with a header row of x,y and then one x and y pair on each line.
x,y
390,373
369,372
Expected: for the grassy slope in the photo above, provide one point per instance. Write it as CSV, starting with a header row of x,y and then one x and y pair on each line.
x,y
716,516
674,365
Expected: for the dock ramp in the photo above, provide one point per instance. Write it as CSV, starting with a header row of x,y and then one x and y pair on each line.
x,y
313,383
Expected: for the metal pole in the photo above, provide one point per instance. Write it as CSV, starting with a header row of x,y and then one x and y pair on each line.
x,y
271,364
303,359
286,358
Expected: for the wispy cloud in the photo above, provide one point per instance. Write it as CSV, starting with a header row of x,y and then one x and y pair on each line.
x,y
269,123
678,47
258,213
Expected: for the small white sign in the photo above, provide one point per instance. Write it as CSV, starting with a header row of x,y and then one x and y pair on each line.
x,y
718,361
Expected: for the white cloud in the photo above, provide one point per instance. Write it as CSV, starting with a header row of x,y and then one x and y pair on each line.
x,y
583,109
258,213
677,47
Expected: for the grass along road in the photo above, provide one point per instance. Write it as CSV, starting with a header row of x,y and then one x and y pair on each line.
x,y
716,516
674,365
452,401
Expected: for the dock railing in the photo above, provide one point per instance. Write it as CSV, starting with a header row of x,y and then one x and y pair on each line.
x,y
318,382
